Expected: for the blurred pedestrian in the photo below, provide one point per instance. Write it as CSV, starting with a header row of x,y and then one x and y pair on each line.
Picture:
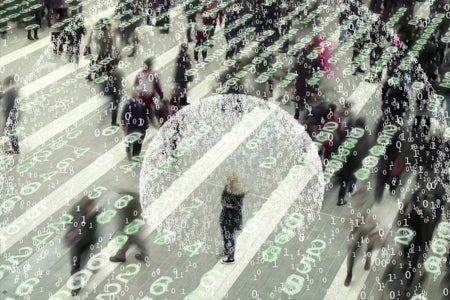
x,y
37,14
353,162
113,87
134,125
190,12
60,10
10,105
162,15
81,234
395,104
210,19
304,92
74,32
49,14
200,36
130,216
148,87
365,231
182,65
231,215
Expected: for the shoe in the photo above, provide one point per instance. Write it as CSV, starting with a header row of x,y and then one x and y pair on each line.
x,y
348,279
117,259
36,37
11,152
142,257
227,261
75,292
114,125
367,264
184,104
30,38
341,203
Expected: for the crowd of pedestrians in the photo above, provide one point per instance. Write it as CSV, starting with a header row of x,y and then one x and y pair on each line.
x,y
409,148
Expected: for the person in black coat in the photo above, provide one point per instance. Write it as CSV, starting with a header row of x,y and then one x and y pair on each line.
x,y
182,65
134,120
114,89
395,104
231,215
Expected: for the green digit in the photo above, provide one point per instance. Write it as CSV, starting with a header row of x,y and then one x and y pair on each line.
x,y
25,167
271,253
106,216
194,248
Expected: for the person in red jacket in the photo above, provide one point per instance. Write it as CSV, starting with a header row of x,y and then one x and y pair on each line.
x,y
148,87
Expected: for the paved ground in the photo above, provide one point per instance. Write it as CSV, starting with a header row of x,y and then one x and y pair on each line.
x,y
68,150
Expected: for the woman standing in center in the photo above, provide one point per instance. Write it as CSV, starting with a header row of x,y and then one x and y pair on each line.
x,y
231,215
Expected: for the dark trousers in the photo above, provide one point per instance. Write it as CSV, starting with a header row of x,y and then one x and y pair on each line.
x,y
388,6
58,40
14,139
375,55
347,185
300,104
375,5
190,20
354,250
115,100
422,122
233,49
229,242
204,50
134,149
182,88
77,253
73,50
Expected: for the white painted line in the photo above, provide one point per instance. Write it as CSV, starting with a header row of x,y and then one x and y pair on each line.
x,y
362,94
222,277
50,78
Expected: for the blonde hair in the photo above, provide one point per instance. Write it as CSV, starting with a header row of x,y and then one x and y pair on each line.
x,y
233,186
